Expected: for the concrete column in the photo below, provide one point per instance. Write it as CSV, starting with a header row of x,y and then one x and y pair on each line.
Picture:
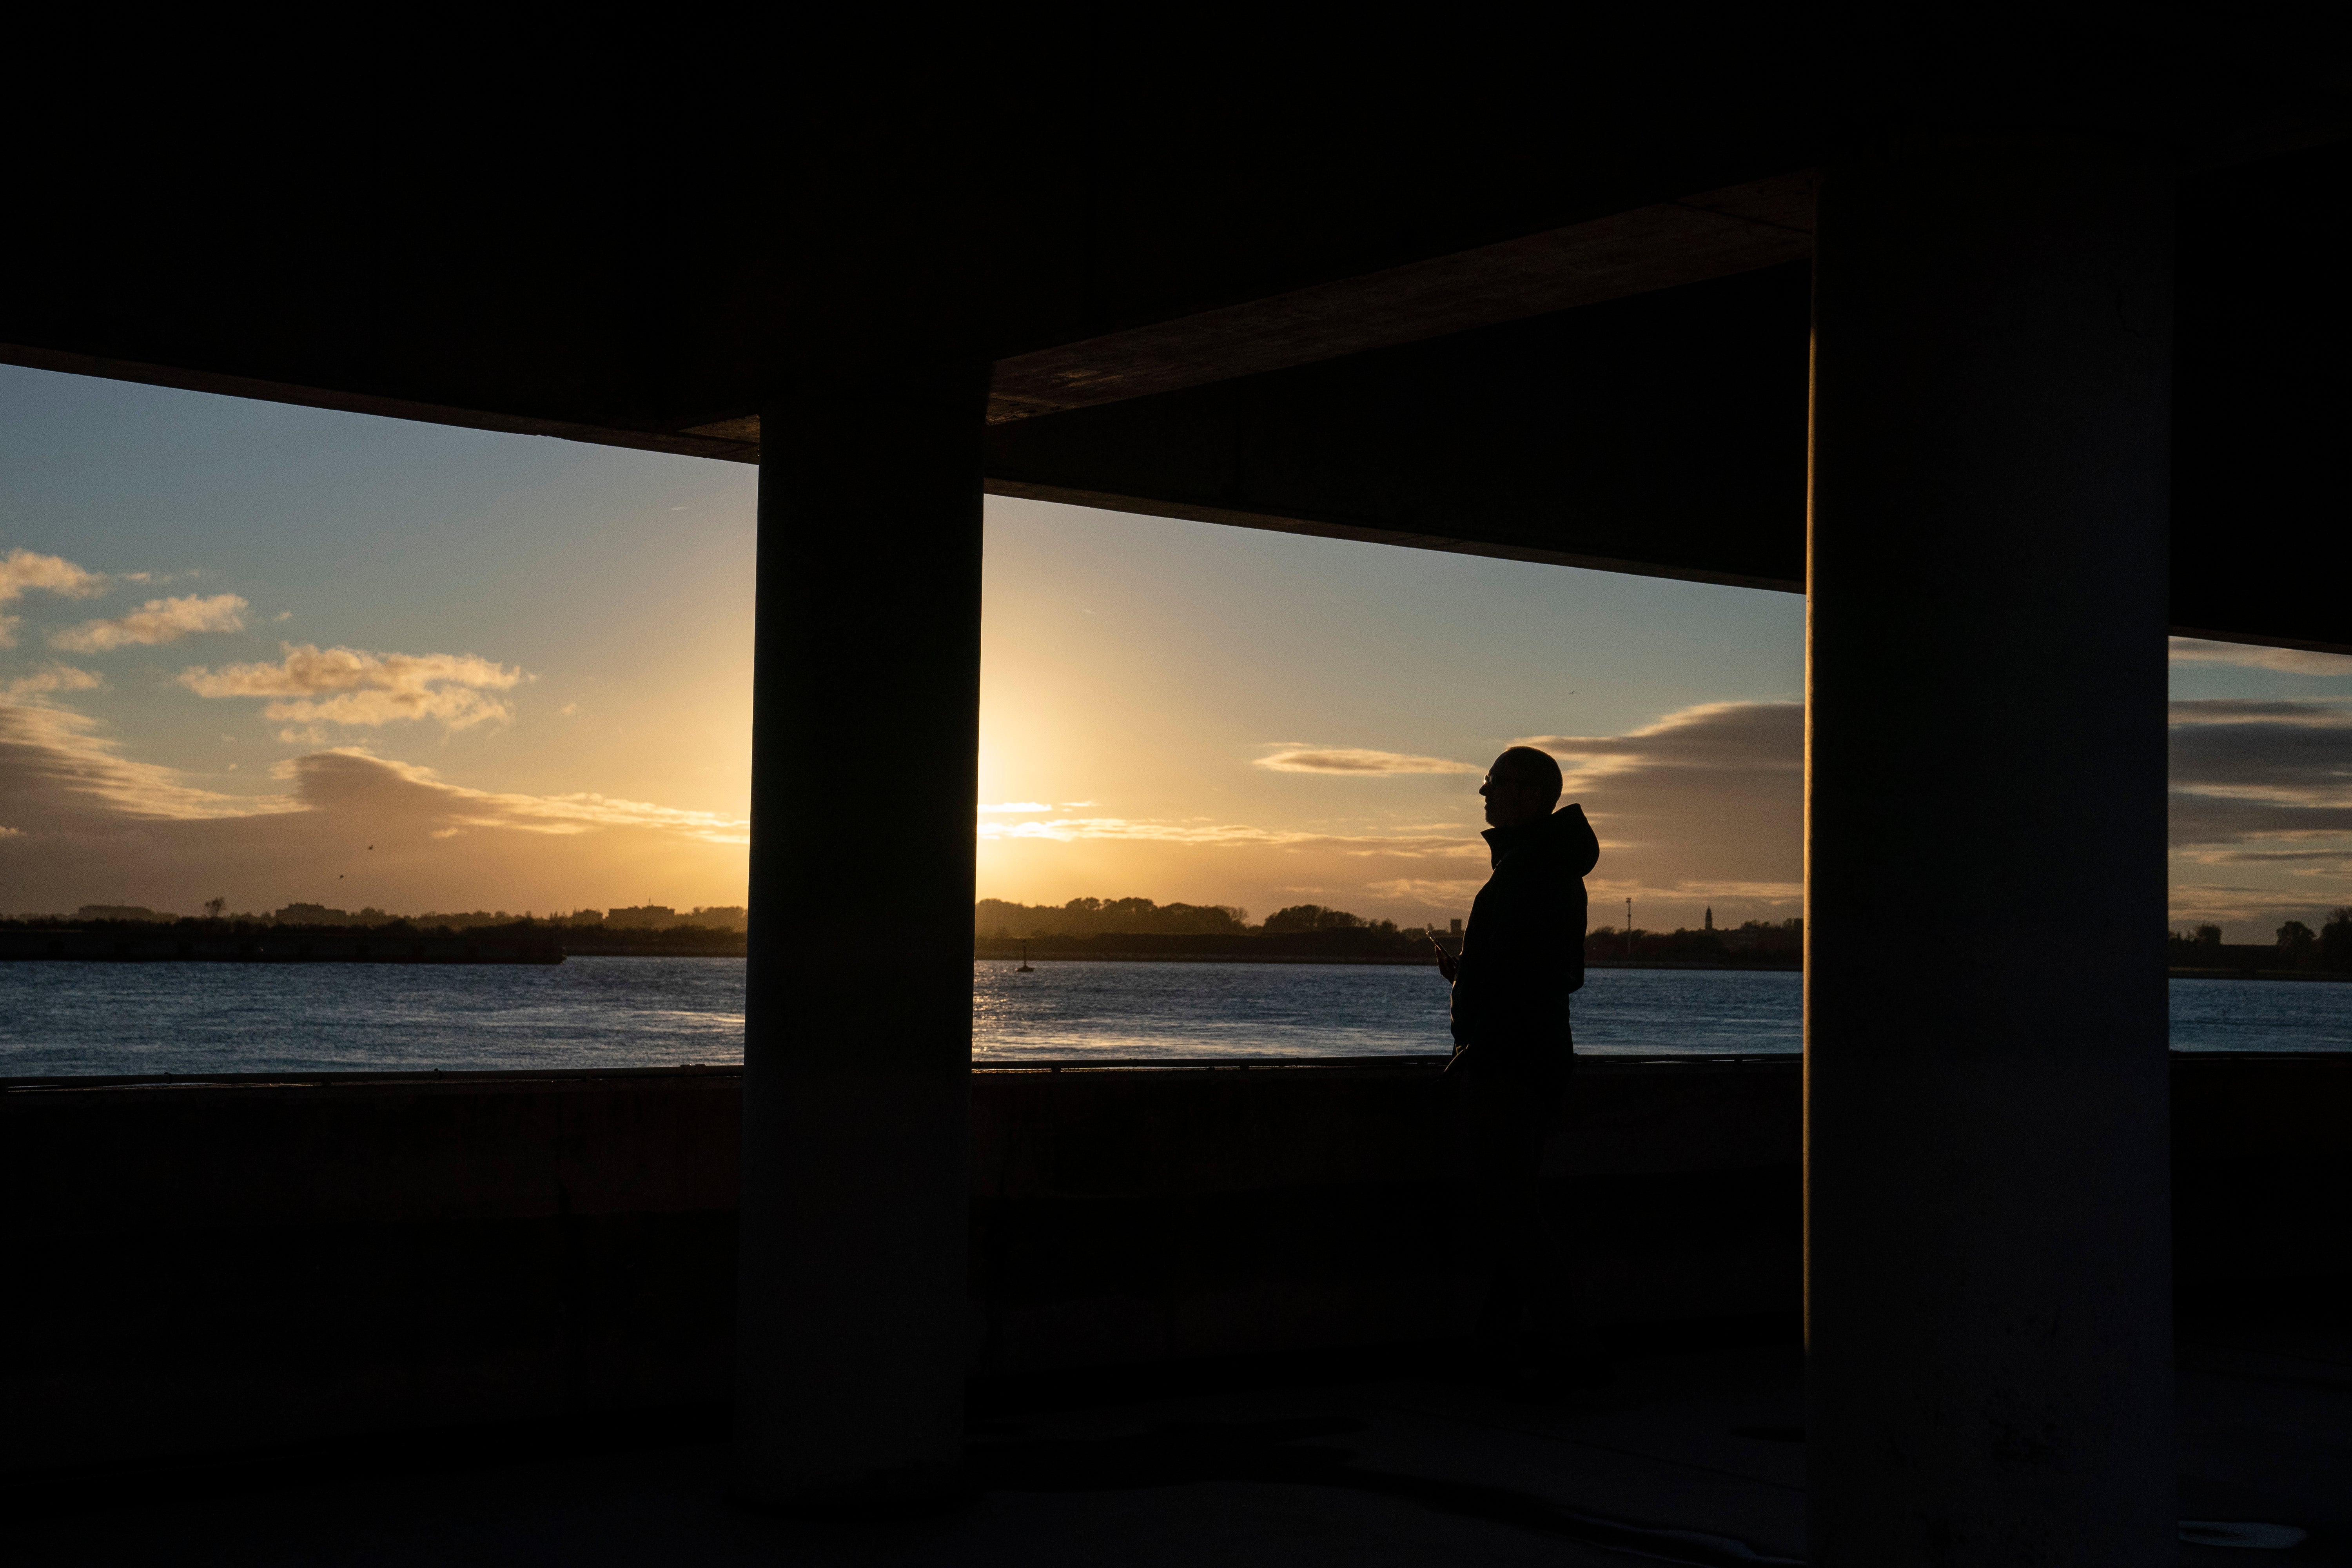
x,y
1988,1292
852,1314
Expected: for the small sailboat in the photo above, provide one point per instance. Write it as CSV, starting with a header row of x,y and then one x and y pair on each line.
x,y
1025,968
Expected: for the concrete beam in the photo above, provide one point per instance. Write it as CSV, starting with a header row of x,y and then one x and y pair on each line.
x,y
1662,434
1712,235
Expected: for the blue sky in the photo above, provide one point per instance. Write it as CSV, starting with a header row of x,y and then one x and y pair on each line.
x,y
520,667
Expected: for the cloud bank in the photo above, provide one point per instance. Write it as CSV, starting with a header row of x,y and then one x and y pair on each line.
x,y
81,821
59,771
313,687
1705,805
2264,784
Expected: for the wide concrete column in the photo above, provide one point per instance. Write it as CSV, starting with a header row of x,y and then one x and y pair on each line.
x,y
1988,1292
852,1312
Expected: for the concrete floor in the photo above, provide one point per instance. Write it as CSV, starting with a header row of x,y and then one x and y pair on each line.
x,y
1696,1458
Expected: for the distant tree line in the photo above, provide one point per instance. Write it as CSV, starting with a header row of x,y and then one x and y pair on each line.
x,y
2294,946
1104,927
1139,925
1315,917
1774,943
1090,917
683,940
639,917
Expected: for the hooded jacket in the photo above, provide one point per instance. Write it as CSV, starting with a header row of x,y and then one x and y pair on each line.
x,y
1523,952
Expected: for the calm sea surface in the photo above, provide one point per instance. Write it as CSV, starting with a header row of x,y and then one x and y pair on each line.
x,y
127,1019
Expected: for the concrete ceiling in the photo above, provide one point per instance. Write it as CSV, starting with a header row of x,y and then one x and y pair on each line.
x,y
1541,336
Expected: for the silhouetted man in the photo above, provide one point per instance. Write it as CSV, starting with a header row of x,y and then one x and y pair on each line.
x,y
1522,955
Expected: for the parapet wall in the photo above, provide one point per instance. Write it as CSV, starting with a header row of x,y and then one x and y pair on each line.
x,y
217,1264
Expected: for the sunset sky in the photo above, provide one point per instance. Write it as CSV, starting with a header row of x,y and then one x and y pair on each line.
x,y
244,642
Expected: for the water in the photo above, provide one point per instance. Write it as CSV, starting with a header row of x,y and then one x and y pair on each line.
x,y
124,1018
2262,1015
136,1018
1146,1010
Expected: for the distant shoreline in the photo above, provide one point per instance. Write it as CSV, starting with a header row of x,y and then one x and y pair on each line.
x,y
243,942
716,950
2178,973
1012,960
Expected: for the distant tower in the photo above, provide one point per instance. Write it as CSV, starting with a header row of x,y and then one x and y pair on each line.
x,y
1710,920
1457,927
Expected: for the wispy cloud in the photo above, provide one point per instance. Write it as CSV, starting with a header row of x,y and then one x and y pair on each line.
x,y
2286,660
156,621
1014,808
1300,759
1601,891
2338,859
22,571
2224,904
1072,829
2313,713
313,686
347,778
1440,890
55,679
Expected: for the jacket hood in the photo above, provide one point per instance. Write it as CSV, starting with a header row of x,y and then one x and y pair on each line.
x,y
1564,834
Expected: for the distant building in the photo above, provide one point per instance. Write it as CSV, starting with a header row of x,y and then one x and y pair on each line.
x,y
121,912
584,918
311,915
467,921
728,916
1457,927
1710,920
642,916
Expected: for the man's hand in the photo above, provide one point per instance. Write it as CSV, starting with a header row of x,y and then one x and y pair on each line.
x,y
1446,963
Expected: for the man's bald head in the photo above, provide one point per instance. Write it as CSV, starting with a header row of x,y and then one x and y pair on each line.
x,y
1522,786
1534,767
